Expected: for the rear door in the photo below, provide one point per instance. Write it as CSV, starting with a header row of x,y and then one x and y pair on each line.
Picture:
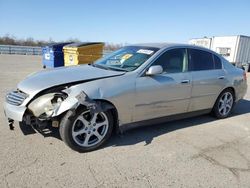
x,y
208,79
167,93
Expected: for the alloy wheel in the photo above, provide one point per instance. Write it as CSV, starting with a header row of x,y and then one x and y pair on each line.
x,y
90,128
225,103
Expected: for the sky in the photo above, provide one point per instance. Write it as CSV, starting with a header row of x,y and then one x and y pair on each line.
x,y
127,21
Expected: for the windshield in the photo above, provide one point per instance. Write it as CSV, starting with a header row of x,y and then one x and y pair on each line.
x,y
126,59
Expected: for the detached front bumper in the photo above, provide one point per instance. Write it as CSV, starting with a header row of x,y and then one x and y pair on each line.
x,y
14,112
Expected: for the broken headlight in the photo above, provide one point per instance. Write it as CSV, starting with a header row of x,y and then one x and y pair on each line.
x,y
44,106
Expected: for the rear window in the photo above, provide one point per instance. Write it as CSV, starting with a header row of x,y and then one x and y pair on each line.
x,y
200,60
217,62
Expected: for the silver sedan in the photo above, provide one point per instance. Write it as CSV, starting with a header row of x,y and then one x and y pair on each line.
x,y
133,86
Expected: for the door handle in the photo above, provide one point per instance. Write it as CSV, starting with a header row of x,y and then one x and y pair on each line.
x,y
185,81
221,77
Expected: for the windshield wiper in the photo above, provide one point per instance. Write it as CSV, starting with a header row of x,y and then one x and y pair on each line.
x,y
117,69
99,66
108,67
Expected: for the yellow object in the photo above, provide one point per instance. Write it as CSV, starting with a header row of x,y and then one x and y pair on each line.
x,y
82,53
127,56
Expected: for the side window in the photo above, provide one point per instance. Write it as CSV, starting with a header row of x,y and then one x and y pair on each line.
x,y
200,60
217,62
173,61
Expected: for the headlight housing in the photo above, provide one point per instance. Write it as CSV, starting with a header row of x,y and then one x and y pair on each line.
x,y
44,106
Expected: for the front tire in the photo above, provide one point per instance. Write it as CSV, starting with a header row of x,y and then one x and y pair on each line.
x,y
83,131
224,104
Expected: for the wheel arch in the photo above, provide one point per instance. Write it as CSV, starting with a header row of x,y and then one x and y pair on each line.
x,y
214,111
226,88
229,88
110,106
107,105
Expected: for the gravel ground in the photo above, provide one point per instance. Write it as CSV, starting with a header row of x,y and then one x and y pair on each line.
x,y
195,152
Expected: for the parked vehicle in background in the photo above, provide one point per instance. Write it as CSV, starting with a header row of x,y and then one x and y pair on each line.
x,y
236,49
135,85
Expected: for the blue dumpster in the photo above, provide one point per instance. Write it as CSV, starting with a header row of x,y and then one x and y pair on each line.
x,y
53,55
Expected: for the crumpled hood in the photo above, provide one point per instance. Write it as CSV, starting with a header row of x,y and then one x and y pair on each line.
x,y
45,79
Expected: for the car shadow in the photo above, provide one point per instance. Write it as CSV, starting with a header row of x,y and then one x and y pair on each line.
x,y
147,133
242,107
47,132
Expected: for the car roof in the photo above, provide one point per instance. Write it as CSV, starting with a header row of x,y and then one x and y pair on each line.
x,y
169,45
155,45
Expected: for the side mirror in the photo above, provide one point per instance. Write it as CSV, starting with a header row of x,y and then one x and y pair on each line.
x,y
154,70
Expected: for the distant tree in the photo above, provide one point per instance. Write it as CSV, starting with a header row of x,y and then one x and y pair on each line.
x,y
112,47
7,39
12,40
29,42
72,40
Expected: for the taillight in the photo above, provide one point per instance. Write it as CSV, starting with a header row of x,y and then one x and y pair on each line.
x,y
244,75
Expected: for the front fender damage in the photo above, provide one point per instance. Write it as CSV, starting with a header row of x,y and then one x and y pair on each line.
x,y
82,99
71,103
94,106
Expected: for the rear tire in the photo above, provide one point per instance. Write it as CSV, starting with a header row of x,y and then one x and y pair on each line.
x,y
83,131
224,104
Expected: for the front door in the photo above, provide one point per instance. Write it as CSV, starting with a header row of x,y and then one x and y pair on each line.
x,y
167,93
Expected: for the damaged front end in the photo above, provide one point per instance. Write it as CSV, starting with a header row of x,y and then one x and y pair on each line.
x,y
48,108
44,110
